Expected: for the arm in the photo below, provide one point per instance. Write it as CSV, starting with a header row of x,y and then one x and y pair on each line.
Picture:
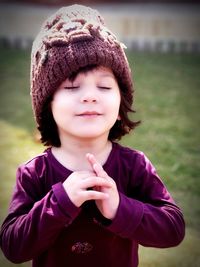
x,y
148,214
33,222
156,225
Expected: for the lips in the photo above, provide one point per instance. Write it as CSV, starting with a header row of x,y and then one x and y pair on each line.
x,y
89,114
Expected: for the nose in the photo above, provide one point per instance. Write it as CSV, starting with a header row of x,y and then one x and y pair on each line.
x,y
89,96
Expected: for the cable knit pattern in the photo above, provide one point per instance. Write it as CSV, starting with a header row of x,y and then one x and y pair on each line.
x,y
73,37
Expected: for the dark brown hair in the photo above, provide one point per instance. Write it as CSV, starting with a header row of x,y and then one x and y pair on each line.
x,y
48,128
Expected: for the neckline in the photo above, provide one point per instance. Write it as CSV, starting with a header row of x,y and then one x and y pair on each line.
x,y
64,169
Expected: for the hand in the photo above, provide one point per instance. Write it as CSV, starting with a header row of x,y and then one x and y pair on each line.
x,y
107,206
80,187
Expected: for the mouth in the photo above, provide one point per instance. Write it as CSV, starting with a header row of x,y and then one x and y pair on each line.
x,y
89,114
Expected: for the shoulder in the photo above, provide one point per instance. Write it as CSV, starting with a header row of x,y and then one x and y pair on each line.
x,y
35,175
132,160
36,165
138,166
128,154
125,160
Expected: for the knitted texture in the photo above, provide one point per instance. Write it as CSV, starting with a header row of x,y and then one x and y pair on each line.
x,y
72,38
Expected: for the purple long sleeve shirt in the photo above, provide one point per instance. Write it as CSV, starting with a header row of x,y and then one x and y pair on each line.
x,y
44,226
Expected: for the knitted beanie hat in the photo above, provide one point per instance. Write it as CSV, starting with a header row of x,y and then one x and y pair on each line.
x,y
73,38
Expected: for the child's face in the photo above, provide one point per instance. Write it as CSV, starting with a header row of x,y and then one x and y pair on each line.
x,y
88,106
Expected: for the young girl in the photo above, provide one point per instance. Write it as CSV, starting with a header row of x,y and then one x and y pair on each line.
x,y
86,201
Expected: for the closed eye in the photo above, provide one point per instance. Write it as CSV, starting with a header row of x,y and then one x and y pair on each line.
x,y
71,87
104,87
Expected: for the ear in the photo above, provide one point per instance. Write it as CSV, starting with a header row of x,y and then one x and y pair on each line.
x,y
119,118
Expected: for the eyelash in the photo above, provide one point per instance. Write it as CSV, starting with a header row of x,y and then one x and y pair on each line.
x,y
76,87
71,87
104,87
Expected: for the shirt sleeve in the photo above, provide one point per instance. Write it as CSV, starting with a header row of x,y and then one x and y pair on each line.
x,y
34,221
148,214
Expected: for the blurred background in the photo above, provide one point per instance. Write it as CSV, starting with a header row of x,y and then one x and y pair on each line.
x,y
143,25
163,48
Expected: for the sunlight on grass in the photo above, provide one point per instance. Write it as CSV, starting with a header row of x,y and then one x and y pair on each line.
x,y
16,146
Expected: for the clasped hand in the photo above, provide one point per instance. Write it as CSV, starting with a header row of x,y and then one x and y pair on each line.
x,y
93,185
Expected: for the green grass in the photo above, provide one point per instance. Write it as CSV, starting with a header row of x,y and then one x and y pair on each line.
x,y
167,101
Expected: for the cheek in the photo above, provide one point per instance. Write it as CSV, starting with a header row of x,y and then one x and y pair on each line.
x,y
113,107
115,101
60,102
58,107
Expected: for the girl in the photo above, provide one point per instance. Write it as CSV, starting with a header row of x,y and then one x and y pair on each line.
x,y
86,201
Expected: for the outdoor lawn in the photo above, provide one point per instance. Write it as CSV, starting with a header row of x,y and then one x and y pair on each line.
x,y
167,101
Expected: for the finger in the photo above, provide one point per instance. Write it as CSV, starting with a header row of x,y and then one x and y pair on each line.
x,y
90,157
98,169
82,174
92,182
94,195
